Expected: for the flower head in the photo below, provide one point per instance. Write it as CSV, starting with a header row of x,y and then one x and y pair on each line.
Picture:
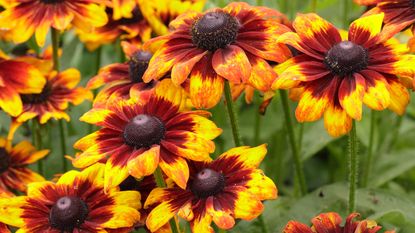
x,y
14,173
26,18
17,77
222,190
338,75
137,137
135,28
59,90
233,43
75,203
330,223
160,13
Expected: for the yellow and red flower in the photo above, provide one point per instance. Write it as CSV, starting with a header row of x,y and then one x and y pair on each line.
x,y
366,2
232,44
221,191
159,13
16,78
331,223
59,90
134,28
138,136
28,17
123,79
399,14
14,174
337,75
75,203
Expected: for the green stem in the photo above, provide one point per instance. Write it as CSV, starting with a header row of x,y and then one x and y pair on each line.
x,y
97,66
314,6
257,128
369,158
345,14
55,49
37,142
232,115
353,166
56,67
294,147
158,176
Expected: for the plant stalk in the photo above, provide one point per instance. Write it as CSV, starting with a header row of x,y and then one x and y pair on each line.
x,y
37,142
369,158
353,166
232,115
294,146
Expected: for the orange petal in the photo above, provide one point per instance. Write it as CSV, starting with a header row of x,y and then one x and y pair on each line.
x,y
221,217
144,164
160,215
182,69
201,224
177,169
247,206
336,121
232,64
250,157
311,107
377,90
262,186
351,92
296,227
364,31
399,97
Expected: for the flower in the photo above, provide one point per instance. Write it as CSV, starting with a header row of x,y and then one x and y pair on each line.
x,y
14,173
337,75
399,14
138,136
161,12
222,190
133,28
75,203
366,2
122,78
123,8
16,78
29,17
233,43
59,90
330,223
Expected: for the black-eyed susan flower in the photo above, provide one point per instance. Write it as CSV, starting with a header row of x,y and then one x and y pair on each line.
x,y
59,90
122,78
331,223
75,203
138,136
134,28
123,8
14,173
366,2
228,188
16,78
160,13
337,75
233,43
399,14
29,17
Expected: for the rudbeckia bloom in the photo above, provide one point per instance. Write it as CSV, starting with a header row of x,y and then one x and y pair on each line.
x,y
331,223
75,203
28,17
159,13
134,28
14,174
122,78
16,78
399,14
366,2
222,190
233,43
59,90
139,136
337,75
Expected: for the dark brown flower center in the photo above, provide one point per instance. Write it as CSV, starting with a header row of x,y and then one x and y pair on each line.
x,y
38,98
346,58
68,213
138,65
208,183
143,131
4,160
52,1
214,30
